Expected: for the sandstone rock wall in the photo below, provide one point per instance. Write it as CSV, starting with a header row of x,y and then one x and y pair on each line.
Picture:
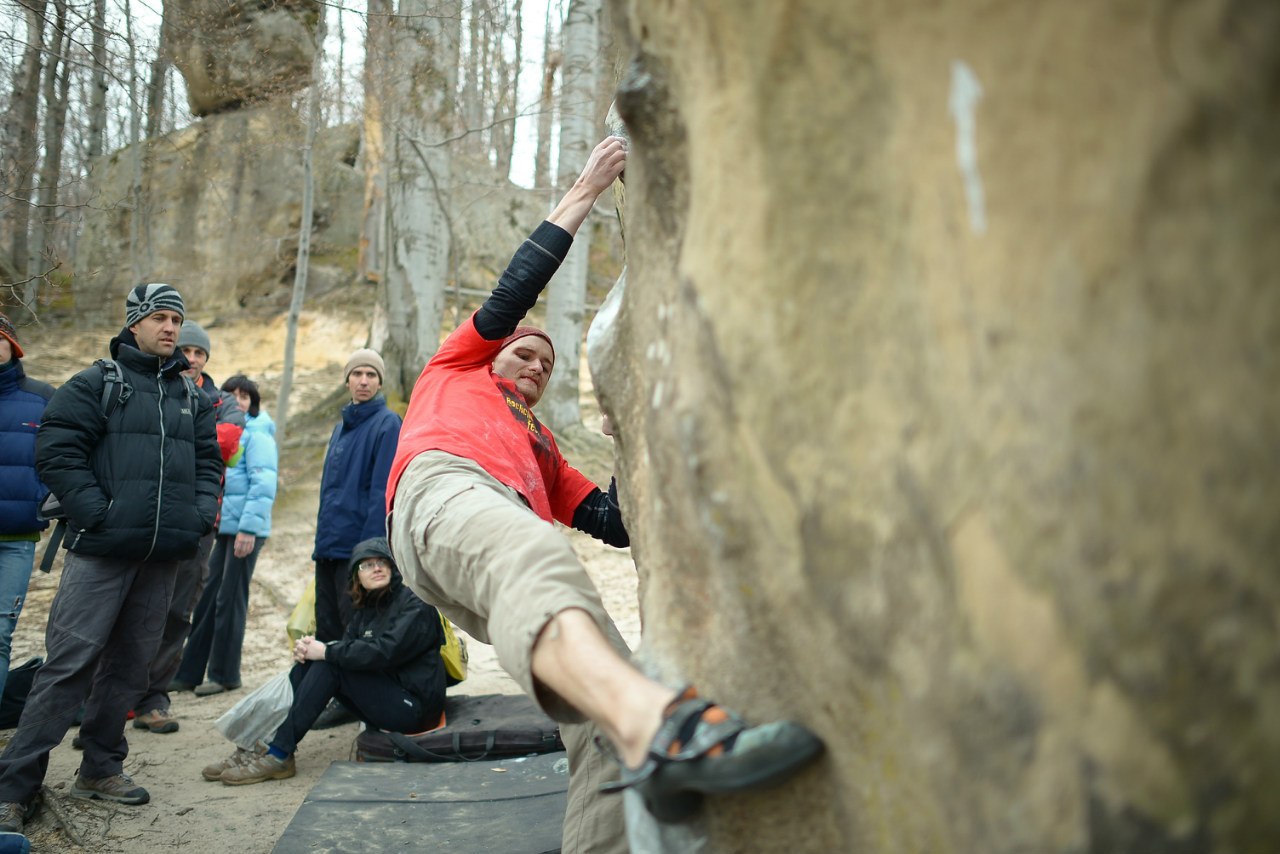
x,y
945,384
224,198
236,53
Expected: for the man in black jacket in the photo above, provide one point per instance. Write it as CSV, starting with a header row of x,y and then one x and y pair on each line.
x,y
130,452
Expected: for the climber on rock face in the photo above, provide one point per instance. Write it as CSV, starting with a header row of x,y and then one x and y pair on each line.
x,y
476,482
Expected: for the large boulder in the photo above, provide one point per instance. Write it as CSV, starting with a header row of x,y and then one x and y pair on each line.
x,y
222,202
236,53
945,387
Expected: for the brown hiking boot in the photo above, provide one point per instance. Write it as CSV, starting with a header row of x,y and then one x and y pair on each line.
x,y
213,773
156,720
119,788
259,768
14,817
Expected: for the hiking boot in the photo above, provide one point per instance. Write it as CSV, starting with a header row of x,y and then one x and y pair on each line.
x,y
14,817
213,773
156,720
259,768
119,788
206,689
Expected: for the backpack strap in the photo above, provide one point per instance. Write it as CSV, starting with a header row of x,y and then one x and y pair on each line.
x,y
115,391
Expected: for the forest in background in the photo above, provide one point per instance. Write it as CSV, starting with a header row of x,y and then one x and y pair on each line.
x,y
438,90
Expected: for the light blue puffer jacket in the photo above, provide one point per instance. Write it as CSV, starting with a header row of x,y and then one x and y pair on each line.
x,y
251,482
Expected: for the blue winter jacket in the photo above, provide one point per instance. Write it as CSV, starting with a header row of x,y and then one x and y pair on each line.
x,y
251,483
22,402
353,488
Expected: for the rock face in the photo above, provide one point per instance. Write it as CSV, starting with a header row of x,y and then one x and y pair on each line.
x,y
232,54
945,384
224,200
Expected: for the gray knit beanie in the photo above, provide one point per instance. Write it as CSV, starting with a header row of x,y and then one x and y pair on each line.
x,y
146,300
192,334
365,358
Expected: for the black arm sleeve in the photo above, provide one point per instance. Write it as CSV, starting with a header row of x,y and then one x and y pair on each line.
x,y
600,516
533,265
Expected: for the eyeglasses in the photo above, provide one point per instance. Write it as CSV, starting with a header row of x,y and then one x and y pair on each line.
x,y
373,563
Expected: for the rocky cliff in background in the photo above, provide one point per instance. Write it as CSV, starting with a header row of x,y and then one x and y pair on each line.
x,y
945,384
223,202
233,53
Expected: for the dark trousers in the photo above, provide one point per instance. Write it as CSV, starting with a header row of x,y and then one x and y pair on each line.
x,y
188,584
333,598
103,631
373,696
217,628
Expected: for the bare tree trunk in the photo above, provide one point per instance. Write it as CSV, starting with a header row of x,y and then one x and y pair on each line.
x,y
57,82
159,71
472,109
135,152
566,300
504,128
342,69
551,60
20,152
426,49
303,261
371,262
98,81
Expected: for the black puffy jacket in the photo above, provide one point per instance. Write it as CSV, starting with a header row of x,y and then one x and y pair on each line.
x,y
142,484
396,633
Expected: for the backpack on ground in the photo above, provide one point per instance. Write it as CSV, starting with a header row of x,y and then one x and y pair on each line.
x,y
485,727
16,688
453,652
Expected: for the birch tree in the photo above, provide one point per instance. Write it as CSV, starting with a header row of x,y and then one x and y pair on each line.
x,y
551,61
371,260
98,81
425,37
20,152
566,300
57,83
302,262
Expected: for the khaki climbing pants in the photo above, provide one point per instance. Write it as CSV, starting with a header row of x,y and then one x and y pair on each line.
x,y
469,545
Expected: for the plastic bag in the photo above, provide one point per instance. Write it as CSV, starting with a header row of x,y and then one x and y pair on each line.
x,y
454,653
257,717
302,622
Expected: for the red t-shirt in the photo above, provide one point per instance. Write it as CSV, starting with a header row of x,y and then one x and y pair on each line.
x,y
461,407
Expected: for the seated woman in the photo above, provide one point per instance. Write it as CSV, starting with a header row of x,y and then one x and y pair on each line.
x,y
387,667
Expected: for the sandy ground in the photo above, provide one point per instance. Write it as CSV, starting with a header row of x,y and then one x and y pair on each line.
x,y
186,811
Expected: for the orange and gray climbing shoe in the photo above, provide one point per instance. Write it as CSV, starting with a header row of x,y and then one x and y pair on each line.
x,y
701,748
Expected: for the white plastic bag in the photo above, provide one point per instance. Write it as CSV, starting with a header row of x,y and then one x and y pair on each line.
x,y
257,717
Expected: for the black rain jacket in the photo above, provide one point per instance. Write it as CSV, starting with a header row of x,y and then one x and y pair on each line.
x,y
143,484
396,634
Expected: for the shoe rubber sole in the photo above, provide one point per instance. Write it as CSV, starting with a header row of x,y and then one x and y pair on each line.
x,y
95,795
282,774
166,727
763,756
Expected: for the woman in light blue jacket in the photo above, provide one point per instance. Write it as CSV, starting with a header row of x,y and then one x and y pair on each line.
x,y
217,630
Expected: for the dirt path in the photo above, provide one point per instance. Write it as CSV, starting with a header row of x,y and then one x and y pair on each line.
x,y
185,810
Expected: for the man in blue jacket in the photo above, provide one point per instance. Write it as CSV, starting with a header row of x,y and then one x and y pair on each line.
x,y
22,402
352,488
138,480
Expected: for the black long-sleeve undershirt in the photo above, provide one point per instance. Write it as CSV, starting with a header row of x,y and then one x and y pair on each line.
x,y
600,516
517,291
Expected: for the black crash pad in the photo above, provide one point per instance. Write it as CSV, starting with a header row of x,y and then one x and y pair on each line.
x,y
514,805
